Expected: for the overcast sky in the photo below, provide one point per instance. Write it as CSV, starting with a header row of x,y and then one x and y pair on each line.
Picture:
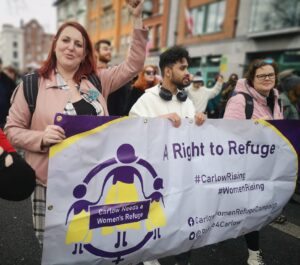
x,y
12,11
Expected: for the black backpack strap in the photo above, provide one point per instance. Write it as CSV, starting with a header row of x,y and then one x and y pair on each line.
x,y
280,103
249,105
30,88
94,79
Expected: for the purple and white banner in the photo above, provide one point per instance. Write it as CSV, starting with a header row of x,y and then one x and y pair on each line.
x,y
126,190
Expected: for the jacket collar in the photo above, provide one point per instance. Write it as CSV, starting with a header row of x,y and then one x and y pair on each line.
x,y
51,82
243,86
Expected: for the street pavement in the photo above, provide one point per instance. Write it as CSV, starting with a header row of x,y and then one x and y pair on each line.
x,y
280,243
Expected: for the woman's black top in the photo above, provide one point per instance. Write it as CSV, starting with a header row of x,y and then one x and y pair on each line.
x,y
84,108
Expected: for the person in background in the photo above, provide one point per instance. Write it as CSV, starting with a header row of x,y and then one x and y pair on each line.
x,y
227,92
11,72
146,79
212,108
260,83
116,101
7,86
200,95
290,101
169,100
64,88
103,53
290,96
17,178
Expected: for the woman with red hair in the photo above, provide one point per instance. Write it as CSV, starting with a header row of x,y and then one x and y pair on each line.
x,y
63,87
146,79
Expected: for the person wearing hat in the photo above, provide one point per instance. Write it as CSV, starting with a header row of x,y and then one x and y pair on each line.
x,y
200,95
290,96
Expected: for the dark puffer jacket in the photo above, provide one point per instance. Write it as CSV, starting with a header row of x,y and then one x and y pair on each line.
x,y
17,181
7,87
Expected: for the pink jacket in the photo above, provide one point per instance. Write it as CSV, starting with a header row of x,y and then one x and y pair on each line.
x,y
50,101
235,108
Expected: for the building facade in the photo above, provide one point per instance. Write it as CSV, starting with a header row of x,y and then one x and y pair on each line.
x,y
36,44
71,10
11,46
228,34
156,16
110,19
212,35
272,31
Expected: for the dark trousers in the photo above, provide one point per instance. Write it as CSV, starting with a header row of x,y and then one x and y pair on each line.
x,y
252,240
183,258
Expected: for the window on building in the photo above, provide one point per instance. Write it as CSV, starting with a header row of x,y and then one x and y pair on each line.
x,y
148,9
15,54
16,65
93,26
195,62
81,7
123,44
123,40
274,15
208,18
215,17
103,22
81,18
291,56
61,12
70,10
150,44
160,7
213,60
15,44
106,3
157,37
93,4
108,19
125,15
111,19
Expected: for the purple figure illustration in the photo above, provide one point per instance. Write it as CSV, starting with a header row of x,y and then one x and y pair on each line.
x,y
78,229
122,186
156,217
123,190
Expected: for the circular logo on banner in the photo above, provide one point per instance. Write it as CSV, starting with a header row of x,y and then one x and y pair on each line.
x,y
125,205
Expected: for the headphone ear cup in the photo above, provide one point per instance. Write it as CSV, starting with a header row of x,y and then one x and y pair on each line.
x,y
182,96
165,94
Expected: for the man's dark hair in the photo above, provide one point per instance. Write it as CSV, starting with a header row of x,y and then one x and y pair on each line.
x,y
99,42
172,56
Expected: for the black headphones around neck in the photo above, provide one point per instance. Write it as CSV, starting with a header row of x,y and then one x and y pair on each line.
x,y
166,94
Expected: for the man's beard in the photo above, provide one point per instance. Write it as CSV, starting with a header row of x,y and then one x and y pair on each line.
x,y
180,84
104,59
